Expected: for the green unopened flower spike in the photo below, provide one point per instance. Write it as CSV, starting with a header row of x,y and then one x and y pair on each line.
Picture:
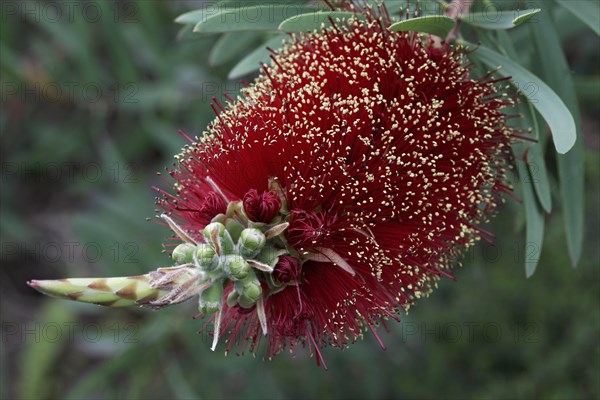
x,y
157,289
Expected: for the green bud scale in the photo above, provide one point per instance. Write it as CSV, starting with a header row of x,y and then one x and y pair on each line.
x,y
211,298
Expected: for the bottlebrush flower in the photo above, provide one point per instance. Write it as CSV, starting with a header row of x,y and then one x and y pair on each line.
x,y
338,189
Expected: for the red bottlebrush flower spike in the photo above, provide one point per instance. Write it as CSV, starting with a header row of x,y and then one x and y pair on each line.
x,y
387,156
340,188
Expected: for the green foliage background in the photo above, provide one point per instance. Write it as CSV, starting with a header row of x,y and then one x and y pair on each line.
x,y
492,334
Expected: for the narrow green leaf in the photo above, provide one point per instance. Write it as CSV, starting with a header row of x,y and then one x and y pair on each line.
x,y
533,152
252,61
192,17
536,163
314,20
570,166
41,356
230,45
534,232
534,215
250,18
434,24
195,16
525,16
178,382
544,99
424,7
499,19
588,11
185,34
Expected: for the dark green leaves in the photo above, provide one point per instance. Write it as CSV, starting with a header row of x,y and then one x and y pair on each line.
x,y
250,18
556,101
556,72
433,24
252,61
499,19
312,21
534,232
534,158
535,187
192,17
230,45
587,11
541,96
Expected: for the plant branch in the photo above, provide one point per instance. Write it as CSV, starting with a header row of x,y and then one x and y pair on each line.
x,y
455,10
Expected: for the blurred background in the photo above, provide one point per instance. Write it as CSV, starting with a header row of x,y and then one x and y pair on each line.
x,y
93,94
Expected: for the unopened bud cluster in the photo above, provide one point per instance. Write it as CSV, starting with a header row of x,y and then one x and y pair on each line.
x,y
235,260
233,253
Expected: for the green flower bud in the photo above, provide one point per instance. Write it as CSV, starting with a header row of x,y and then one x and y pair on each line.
x,y
219,218
246,302
252,290
211,299
236,267
251,242
232,298
205,255
184,253
249,291
214,226
217,235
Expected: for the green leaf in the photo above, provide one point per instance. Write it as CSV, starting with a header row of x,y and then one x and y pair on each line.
x,y
41,356
588,11
434,24
250,18
195,16
398,9
192,17
544,99
570,166
252,61
534,215
178,382
314,20
539,175
537,165
230,45
533,153
499,19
